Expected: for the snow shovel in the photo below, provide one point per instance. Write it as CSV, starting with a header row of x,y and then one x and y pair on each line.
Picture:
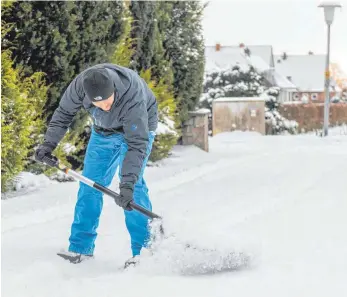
x,y
190,260
95,185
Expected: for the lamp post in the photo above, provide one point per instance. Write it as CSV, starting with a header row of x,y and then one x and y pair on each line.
x,y
329,9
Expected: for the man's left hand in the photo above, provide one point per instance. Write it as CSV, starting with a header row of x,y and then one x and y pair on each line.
x,y
125,197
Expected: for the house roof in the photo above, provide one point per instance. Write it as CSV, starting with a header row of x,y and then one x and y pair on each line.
x,y
231,55
260,58
225,58
281,81
305,71
263,51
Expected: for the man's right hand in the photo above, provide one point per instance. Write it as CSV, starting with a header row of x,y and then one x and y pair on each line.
x,y
45,150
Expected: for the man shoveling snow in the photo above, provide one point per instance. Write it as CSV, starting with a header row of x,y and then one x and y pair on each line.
x,y
125,116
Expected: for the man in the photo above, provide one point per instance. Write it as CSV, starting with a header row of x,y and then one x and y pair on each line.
x,y
125,117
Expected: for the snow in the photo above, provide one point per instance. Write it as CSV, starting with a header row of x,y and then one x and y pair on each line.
x,y
26,182
202,111
258,63
330,3
163,129
229,56
222,82
305,99
282,81
69,148
292,102
306,71
224,59
166,126
170,123
280,198
238,99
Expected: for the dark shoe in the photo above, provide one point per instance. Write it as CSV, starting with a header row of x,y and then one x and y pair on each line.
x,y
133,261
74,258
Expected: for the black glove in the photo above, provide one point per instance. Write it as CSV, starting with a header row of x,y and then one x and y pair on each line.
x,y
126,196
45,150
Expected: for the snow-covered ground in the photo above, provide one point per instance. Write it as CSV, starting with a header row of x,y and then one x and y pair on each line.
x,y
282,199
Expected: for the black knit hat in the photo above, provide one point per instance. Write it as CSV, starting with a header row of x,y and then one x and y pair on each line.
x,y
97,84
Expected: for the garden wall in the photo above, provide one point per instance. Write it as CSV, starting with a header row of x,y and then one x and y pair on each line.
x,y
311,116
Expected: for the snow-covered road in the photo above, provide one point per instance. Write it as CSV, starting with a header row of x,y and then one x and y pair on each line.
x,y
283,199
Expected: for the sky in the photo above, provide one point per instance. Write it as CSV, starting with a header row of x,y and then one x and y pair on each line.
x,y
294,26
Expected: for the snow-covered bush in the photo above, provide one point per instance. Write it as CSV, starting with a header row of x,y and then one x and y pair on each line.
x,y
238,81
244,81
277,123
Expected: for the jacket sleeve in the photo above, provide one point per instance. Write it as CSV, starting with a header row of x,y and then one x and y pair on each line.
x,y
135,125
62,117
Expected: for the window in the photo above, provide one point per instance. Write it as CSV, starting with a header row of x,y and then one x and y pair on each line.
x,y
314,96
296,97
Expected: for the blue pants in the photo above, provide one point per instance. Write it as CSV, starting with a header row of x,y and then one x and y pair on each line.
x,y
103,156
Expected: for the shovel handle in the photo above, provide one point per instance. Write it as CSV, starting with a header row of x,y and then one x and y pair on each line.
x,y
115,195
95,185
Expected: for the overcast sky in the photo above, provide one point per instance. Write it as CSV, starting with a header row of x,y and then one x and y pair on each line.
x,y
294,26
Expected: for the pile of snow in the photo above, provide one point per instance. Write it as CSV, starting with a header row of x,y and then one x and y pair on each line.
x,y
61,177
171,256
340,130
26,182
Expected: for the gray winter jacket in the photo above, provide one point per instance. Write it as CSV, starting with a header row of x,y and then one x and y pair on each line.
x,y
134,114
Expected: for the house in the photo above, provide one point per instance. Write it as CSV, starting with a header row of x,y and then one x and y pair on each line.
x,y
261,57
299,77
306,72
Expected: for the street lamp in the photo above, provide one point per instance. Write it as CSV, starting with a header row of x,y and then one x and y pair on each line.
x,y
329,9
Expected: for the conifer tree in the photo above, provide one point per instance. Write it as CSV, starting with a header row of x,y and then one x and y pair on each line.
x,y
61,38
22,100
44,39
143,15
184,45
161,86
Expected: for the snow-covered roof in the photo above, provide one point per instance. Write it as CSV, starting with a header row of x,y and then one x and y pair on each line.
x,y
228,56
225,58
263,51
260,58
281,81
305,71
